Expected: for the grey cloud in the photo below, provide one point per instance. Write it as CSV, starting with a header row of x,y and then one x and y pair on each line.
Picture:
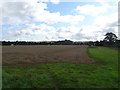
x,y
113,24
18,9
108,29
80,36
16,13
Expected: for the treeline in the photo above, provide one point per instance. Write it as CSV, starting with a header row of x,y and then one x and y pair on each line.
x,y
105,43
63,42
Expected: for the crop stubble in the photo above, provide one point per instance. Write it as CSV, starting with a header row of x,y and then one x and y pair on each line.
x,y
44,54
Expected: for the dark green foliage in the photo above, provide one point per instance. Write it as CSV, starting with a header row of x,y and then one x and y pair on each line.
x,y
110,37
110,40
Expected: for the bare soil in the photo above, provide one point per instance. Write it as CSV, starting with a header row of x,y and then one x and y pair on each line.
x,y
44,54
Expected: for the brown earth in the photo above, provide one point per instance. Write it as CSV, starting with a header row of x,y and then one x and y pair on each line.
x,y
30,55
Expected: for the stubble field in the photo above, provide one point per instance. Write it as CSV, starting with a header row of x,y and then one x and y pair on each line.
x,y
31,55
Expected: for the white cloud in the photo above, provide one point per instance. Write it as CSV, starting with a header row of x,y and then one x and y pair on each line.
x,y
51,18
70,32
92,10
43,30
21,12
92,32
106,21
31,2
67,32
55,1
28,12
52,1
15,13
71,19
47,32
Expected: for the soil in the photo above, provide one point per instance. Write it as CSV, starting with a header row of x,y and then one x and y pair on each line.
x,y
44,54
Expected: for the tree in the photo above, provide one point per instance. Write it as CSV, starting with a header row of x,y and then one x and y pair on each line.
x,y
110,37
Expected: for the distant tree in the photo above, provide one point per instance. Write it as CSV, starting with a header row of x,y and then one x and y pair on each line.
x,y
110,37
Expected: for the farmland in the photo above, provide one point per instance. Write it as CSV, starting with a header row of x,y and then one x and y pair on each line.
x,y
62,66
31,55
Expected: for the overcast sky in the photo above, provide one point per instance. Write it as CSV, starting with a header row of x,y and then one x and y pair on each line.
x,y
44,20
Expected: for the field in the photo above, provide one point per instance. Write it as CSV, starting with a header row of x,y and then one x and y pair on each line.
x,y
59,67
31,55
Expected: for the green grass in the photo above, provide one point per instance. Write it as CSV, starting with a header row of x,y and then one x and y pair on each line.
x,y
66,75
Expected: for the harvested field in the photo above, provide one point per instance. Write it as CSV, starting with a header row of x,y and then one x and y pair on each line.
x,y
31,55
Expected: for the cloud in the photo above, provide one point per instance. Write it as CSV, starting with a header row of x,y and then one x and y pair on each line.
x,y
67,32
48,32
15,13
2,2
43,15
32,29
92,32
44,31
105,1
22,12
106,20
108,23
92,10
52,18
28,13
55,1
86,32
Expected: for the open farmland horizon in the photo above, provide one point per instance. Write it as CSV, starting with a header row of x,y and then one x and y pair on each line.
x,y
59,44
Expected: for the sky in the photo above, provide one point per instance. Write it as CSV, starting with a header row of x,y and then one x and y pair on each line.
x,y
52,20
